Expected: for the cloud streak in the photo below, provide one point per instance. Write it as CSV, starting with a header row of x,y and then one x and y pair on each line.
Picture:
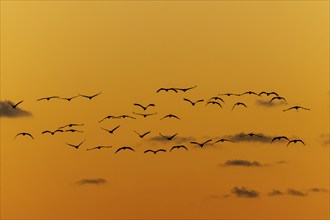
x,y
6,110
269,104
177,139
97,181
243,137
244,193
295,192
244,163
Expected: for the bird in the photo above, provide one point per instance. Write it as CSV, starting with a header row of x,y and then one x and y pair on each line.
x,y
98,147
268,93
124,148
73,130
142,135
249,93
295,141
239,103
168,137
296,107
222,140
14,105
70,125
216,98
279,138
230,94
193,103
213,103
125,116
107,117
111,131
76,146
52,132
251,135
170,116
145,115
90,97
48,98
155,151
144,107
167,89
178,147
69,98
24,133
279,98
185,89
201,144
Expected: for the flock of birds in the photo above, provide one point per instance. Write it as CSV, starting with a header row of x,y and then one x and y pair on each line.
x,y
216,100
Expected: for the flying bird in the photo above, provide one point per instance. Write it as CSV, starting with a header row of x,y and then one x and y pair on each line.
x,y
69,98
278,98
107,117
90,97
222,140
125,116
279,138
52,132
23,134
168,137
216,98
268,93
249,93
155,151
98,147
201,144
178,147
76,146
296,107
70,125
295,141
73,130
14,105
145,115
251,135
193,103
142,135
230,94
239,103
111,131
167,89
213,103
185,89
170,116
144,107
48,98
124,148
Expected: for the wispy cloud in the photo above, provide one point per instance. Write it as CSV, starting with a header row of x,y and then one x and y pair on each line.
x,y
275,192
97,181
269,104
6,110
176,139
295,192
318,190
245,193
243,137
244,163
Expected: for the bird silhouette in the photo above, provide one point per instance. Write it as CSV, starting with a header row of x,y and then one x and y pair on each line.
x,y
279,138
216,98
98,147
167,89
213,103
144,107
69,98
168,137
185,89
278,98
268,93
230,94
70,125
296,107
239,103
251,135
249,93
193,103
23,134
14,105
178,147
145,115
73,130
76,146
51,132
155,151
107,117
48,98
90,97
222,140
295,141
112,130
201,144
124,148
170,116
142,135
125,116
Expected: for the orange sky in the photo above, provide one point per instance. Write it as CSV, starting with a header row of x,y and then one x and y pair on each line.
x,y
130,49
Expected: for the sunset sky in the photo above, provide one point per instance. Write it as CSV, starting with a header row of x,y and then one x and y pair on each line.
x,y
127,50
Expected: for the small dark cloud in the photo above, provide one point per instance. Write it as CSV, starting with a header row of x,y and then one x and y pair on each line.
x,y
244,163
97,181
176,139
325,139
275,192
245,193
318,190
295,192
269,104
243,137
281,162
6,110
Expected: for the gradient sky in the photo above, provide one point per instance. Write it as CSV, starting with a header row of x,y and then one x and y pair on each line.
x,y
130,49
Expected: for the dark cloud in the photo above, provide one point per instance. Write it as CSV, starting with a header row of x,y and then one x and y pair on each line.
x,y
244,163
242,137
281,162
318,190
294,192
325,139
97,181
245,193
6,110
176,139
275,192
270,104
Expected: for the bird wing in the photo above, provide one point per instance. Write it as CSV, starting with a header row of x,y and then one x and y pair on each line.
x,y
29,135
137,104
81,143
146,133
289,142
46,132
18,103
150,105
188,101
115,128
301,142
207,141
193,142
146,151
119,149
58,130
103,129
234,106
160,89
160,150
